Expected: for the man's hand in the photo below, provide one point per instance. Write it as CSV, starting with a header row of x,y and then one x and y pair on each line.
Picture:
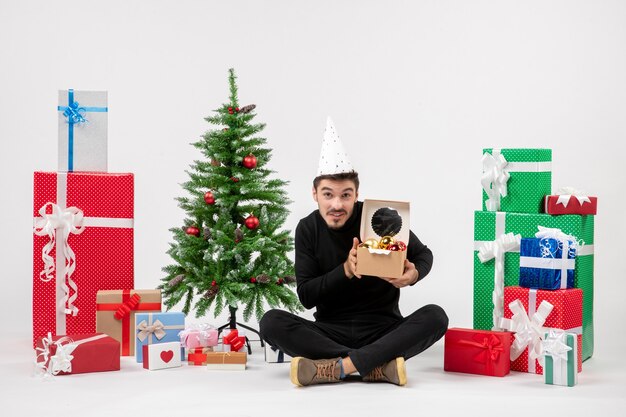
x,y
409,276
349,266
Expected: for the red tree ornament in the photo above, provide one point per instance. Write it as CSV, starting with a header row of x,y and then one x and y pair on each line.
x,y
213,283
280,281
193,231
209,198
253,280
249,161
252,222
234,179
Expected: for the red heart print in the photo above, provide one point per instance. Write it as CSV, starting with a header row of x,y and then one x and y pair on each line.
x,y
167,355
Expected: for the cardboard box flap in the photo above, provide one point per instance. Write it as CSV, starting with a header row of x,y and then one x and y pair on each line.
x,y
385,218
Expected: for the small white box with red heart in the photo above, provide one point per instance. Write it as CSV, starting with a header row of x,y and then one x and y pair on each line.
x,y
161,356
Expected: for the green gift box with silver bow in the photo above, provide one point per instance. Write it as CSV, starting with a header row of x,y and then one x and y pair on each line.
x,y
559,358
496,241
516,180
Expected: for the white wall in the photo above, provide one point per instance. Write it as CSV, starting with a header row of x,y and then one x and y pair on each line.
x,y
416,90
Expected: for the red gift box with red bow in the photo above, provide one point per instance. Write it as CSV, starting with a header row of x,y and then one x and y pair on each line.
x,y
480,352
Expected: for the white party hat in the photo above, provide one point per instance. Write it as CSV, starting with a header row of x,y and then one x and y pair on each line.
x,y
333,158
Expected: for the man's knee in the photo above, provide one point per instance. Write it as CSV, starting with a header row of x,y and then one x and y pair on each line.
x,y
437,317
270,322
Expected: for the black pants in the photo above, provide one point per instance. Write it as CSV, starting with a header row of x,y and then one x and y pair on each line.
x,y
368,343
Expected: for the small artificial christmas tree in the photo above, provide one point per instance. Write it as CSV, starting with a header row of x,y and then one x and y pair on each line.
x,y
230,252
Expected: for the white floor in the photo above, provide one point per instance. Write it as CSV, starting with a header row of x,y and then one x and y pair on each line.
x,y
265,390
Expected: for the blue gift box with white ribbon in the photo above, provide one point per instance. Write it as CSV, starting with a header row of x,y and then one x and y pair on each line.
x,y
547,263
154,328
83,125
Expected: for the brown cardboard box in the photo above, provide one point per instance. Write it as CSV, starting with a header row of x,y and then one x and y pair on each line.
x,y
383,218
122,328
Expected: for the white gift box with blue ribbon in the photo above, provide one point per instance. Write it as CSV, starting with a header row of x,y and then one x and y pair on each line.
x,y
83,126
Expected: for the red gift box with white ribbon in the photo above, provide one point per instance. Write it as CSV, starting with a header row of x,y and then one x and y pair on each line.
x,y
570,201
82,243
530,313
77,354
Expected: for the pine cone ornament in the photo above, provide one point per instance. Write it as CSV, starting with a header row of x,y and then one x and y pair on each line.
x,y
206,232
176,280
262,279
248,108
211,292
238,235
290,279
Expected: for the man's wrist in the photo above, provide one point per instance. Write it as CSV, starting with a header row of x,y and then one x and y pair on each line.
x,y
346,270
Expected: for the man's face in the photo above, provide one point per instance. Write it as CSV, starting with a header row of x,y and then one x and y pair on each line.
x,y
335,200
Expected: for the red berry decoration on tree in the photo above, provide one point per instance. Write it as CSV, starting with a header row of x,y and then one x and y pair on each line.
x,y
252,222
230,110
234,179
253,280
237,109
213,283
209,198
249,161
280,281
193,230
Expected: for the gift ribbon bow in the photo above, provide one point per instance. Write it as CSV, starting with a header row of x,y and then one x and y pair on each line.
x,y
201,332
494,179
566,193
490,349
127,306
528,330
157,328
66,221
74,113
555,346
568,245
61,361
495,250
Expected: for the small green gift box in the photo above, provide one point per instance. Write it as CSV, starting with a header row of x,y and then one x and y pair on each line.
x,y
516,180
499,228
559,352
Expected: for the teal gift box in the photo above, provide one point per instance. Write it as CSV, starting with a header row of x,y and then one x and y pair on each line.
x,y
516,180
559,356
491,225
152,328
